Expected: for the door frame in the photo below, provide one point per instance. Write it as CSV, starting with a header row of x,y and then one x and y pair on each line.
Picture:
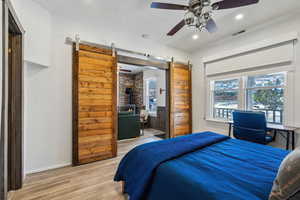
x,y
161,65
168,102
15,107
10,22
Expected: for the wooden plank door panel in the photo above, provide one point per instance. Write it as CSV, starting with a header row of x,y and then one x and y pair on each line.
x,y
181,103
94,97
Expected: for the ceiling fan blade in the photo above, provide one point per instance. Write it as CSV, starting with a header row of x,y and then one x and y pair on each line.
x,y
168,6
179,26
211,26
226,4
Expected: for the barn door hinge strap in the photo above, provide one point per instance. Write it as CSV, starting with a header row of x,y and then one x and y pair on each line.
x,y
77,41
172,61
190,65
113,48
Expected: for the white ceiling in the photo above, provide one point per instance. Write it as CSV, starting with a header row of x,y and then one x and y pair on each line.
x,y
135,17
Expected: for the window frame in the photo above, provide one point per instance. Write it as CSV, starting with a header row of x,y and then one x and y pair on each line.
x,y
243,92
212,94
283,86
147,101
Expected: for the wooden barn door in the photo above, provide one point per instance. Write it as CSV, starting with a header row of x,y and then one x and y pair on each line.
x,y
180,100
94,104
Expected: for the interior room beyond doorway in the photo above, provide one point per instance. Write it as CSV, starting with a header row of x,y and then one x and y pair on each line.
x,y
141,101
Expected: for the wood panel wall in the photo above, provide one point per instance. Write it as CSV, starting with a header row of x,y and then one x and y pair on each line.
x,y
94,104
180,100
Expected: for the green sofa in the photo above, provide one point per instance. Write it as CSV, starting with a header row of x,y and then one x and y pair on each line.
x,y
129,125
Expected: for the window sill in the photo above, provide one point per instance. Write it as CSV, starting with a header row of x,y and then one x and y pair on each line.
x,y
217,120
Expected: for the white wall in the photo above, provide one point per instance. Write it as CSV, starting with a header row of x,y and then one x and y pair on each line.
x,y
48,92
160,76
37,23
278,27
37,55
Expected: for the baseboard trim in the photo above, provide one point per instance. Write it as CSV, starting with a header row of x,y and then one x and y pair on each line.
x,y
48,168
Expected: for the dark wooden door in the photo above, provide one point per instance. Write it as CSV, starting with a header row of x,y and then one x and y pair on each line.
x,y
180,100
94,104
11,136
15,112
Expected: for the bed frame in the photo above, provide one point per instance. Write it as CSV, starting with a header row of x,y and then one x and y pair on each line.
x,y
123,190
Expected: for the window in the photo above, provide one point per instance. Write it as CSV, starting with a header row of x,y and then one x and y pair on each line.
x,y
151,95
225,98
263,93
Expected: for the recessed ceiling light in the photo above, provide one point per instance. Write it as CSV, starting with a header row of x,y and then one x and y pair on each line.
x,y
145,36
195,37
239,16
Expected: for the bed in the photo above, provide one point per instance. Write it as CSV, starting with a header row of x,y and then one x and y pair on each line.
x,y
200,166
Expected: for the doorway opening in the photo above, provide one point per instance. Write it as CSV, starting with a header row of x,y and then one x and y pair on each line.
x,y
142,101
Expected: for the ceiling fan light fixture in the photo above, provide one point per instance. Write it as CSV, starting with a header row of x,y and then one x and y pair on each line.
x,y
199,13
145,36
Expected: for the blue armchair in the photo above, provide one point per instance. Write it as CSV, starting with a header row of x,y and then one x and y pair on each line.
x,y
251,126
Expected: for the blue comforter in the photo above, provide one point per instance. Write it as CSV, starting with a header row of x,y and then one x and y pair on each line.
x,y
229,170
138,166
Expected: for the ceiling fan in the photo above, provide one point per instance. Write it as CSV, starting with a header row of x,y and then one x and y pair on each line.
x,y
198,12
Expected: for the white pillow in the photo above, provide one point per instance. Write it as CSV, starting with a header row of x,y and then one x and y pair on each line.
x,y
287,183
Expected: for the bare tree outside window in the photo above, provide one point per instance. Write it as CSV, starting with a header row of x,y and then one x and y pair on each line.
x,y
265,93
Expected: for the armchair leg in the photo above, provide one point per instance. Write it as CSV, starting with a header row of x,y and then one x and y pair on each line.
x,y
126,197
293,140
288,140
274,136
229,130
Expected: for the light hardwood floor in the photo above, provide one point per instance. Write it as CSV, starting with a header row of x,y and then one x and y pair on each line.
x,y
87,182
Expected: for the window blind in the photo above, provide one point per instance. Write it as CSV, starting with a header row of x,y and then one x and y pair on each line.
x,y
278,54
